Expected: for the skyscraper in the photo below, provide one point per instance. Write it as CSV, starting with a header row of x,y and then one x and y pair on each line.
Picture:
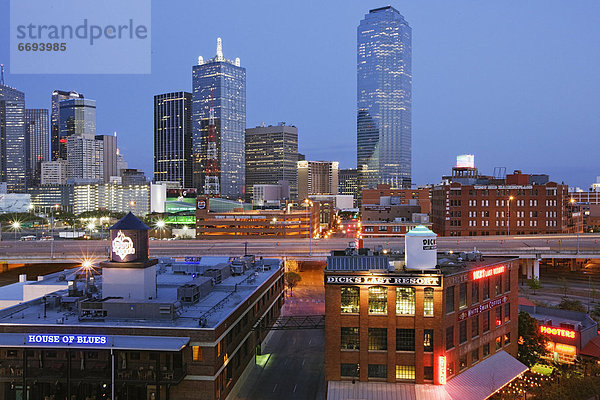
x,y
56,146
219,121
85,159
317,177
36,132
384,99
272,156
173,138
13,144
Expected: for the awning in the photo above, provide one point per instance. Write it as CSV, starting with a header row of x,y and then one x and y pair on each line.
x,y
485,378
93,341
346,390
592,348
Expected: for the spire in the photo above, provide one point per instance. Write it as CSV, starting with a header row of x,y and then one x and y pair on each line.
x,y
219,50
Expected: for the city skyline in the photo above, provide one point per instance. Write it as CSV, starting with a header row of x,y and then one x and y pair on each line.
x,y
461,71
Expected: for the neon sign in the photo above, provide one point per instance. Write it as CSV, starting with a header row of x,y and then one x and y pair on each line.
x,y
442,370
484,273
565,349
122,245
567,333
65,339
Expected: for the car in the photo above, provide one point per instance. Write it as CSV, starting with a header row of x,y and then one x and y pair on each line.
x,y
27,238
47,238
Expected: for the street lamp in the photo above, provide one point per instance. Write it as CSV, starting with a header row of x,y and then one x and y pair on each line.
x,y
577,223
52,231
91,226
508,215
160,224
16,225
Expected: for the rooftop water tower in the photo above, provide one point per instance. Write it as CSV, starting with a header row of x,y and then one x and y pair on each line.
x,y
420,248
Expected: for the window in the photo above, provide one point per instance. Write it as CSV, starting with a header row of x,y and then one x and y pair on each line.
x,y
349,370
350,299
377,300
377,371
498,343
405,340
405,372
449,337
196,353
498,315
507,339
350,338
462,362
462,296
474,356
486,321
507,281
486,350
428,340
474,292
475,326
506,312
498,285
377,339
405,301
219,348
450,368
486,288
462,331
449,299
428,302
11,353
428,373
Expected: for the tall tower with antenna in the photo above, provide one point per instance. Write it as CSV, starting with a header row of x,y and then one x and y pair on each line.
x,y
1,74
218,125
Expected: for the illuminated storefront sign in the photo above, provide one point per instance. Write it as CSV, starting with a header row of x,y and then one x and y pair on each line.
x,y
565,349
484,273
482,307
58,340
442,370
122,245
384,280
566,333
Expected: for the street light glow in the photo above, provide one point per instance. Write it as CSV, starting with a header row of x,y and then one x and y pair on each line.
x,y
16,225
160,223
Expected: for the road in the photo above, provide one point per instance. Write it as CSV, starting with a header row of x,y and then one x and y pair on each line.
x,y
80,249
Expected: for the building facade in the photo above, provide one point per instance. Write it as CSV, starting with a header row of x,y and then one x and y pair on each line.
x,y
77,117
348,183
13,150
37,135
173,138
317,177
112,197
54,172
219,110
44,198
109,156
384,77
85,158
272,156
58,149
421,327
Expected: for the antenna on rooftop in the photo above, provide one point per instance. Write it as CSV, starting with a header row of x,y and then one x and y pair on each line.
x,y
1,74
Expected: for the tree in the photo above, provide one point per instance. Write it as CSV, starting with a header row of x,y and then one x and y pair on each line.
x,y
571,305
291,280
564,284
534,284
532,344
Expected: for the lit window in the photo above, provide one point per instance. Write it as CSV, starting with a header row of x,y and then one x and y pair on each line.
x,y
462,295
507,339
405,372
428,302
196,353
428,340
377,339
350,299
377,300
506,312
498,342
405,301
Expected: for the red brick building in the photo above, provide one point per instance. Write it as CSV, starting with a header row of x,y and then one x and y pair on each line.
x,y
386,324
398,196
516,205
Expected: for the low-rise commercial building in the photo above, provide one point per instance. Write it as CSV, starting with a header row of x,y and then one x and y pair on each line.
x,y
112,197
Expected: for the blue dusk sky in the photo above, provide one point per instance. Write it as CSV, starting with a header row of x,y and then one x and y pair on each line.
x,y
517,83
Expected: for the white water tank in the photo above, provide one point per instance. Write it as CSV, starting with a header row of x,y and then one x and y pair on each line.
x,y
420,248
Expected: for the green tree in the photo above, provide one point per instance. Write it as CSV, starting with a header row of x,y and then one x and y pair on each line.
x,y
571,305
291,280
534,284
564,284
532,344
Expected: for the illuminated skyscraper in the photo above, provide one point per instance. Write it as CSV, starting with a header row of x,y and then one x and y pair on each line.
x,y
219,85
58,148
36,132
13,143
384,99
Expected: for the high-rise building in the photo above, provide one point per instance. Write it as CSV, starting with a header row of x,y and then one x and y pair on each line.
x,y
173,138
13,142
54,172
109,156
56,146
384,103
272,156
36,133
85,158
317,177
77,117
219,121
348,183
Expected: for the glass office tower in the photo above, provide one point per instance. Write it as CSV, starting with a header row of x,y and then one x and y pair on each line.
x,y
13,143
36,131
58,149
384,99
219,84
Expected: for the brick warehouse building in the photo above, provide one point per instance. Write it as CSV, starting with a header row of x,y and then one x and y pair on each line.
x,y
386,322
516,205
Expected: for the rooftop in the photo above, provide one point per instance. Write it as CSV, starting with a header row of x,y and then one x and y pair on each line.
x,y
218,302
